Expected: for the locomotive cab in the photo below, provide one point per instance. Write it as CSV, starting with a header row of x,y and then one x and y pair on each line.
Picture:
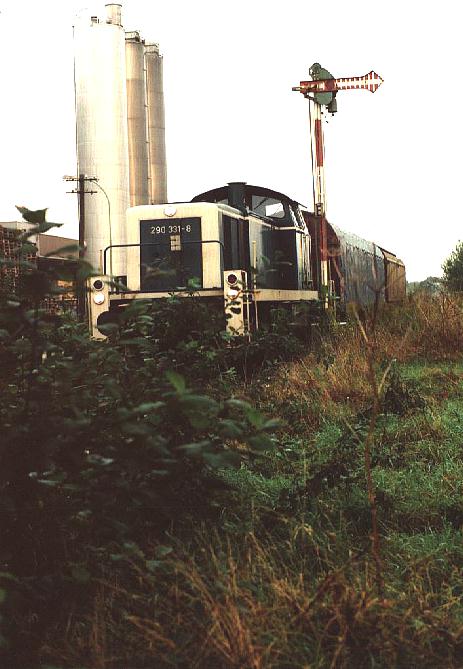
x,y
275,232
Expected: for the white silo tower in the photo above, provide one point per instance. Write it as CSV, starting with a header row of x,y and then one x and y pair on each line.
x,y
119,130
156,124
102,142
137,126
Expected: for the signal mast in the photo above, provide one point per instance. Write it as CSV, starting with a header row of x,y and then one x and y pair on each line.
x,y
321,92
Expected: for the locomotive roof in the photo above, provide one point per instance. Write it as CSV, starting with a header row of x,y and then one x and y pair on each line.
x,y
221,191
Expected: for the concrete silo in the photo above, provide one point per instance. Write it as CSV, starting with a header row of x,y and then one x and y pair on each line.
x,y
156,124
137,127
101,131
119,130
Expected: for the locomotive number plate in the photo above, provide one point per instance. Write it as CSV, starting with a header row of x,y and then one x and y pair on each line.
x,y
170,229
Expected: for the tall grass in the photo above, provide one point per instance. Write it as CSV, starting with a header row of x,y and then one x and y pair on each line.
x,y
266,605
287,575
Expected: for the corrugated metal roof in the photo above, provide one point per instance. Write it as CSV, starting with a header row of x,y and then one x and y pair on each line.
x,y
357,242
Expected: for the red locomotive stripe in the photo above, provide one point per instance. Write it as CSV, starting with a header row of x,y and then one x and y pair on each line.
x,y
318,142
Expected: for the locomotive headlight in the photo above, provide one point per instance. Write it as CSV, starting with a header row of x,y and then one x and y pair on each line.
x,y
170,210
98,298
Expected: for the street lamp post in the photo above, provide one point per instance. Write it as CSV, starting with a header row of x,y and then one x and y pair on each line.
x,y
98,185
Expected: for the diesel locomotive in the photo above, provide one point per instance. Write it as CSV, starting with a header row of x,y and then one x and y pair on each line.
x,y
249,248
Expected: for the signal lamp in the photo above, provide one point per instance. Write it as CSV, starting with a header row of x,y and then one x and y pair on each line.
x,y
98,284
98,298
232,279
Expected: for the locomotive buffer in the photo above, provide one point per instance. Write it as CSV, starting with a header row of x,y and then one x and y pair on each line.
x,y
321,92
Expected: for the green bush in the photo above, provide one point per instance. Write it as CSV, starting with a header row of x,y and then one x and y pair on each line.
x,y
104,445
453,269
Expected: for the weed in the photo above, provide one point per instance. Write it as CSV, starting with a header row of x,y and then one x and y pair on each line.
x,y
400,395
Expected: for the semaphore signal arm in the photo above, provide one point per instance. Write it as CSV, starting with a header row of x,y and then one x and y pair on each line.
x,y
369,82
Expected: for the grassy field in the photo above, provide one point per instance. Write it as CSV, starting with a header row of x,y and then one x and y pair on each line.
x,y
341,546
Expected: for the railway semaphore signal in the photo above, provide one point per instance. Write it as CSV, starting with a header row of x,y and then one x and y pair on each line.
x,y
321,92
369,82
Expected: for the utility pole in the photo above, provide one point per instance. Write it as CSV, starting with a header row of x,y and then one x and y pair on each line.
x,y
82,179
81,192
321,92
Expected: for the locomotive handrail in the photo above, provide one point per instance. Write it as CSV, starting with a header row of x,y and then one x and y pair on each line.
x,y
197,241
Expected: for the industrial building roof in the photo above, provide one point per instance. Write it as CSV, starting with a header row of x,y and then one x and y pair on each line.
x,y
47,245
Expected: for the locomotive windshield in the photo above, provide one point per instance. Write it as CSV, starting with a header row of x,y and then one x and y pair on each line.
x,y
267,206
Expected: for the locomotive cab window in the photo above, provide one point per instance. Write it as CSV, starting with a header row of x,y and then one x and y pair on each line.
x,y
269,207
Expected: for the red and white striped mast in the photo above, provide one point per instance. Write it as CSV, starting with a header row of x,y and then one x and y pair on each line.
x,y
321,92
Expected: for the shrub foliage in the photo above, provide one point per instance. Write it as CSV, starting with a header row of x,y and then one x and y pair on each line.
x,y
104,444
453,269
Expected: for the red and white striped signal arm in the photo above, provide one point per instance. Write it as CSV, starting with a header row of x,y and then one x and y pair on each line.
x,y
369,82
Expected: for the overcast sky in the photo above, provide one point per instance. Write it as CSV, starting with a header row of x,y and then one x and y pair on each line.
x,y
393,157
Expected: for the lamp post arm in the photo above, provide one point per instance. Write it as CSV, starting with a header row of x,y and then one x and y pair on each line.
x,y
109,220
